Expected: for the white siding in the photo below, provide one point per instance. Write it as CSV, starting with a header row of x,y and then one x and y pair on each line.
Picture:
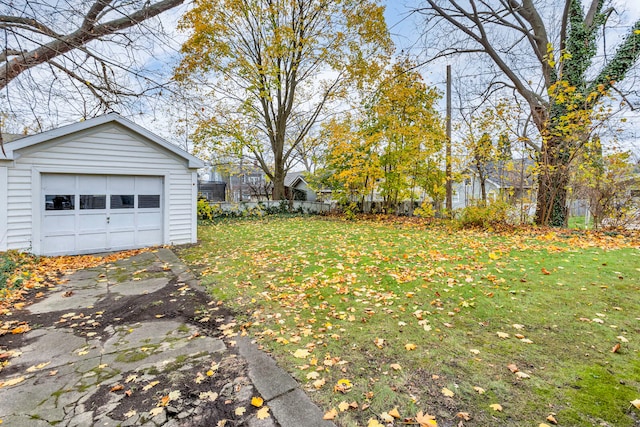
x,y
104,149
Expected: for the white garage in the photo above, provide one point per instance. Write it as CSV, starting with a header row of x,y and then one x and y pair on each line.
x,y
100,185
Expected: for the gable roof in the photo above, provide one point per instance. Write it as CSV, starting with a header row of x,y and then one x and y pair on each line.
x,y
28,141
292,178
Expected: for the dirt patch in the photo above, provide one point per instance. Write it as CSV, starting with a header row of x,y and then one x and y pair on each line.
x,y
206,388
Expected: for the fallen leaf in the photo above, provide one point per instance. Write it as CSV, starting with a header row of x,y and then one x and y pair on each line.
x,y
496,407
240,410
374,423
130,414
379,342
257,401
330,415
343,406
37,367
520,374
208,395
480,390
319,383
386,417
263,413
410,347
475,351
151,385
12,382
394,412
513,368
502,334
116,387
446,392
426,420
164,401
636,403
313,375
615,348
545,271
156,411
395,366
174,395
622,339
301,353
464,415
552,419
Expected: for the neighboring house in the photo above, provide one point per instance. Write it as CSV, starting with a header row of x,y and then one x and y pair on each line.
x,y
297,188
513,181
100,185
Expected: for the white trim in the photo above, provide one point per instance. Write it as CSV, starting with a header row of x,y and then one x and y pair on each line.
x,y
4,201
36,211
166,186
194,208
29,141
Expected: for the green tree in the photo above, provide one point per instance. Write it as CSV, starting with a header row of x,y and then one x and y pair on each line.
x,y
276,65
514,35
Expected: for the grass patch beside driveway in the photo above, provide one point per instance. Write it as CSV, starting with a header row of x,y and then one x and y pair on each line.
x,y
374,315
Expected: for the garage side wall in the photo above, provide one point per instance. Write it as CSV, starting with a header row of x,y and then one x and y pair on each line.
x,y
108,149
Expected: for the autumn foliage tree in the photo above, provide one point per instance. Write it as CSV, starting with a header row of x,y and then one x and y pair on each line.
x,y
275,66
390,146
549,59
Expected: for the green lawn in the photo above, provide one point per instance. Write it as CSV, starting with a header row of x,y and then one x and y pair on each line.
x,y
380,314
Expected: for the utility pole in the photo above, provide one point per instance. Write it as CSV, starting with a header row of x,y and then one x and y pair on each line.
x,y
449,201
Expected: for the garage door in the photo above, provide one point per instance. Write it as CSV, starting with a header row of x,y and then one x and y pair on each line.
x,y
96,213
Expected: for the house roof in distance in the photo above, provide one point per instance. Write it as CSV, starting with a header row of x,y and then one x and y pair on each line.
x,y
28,141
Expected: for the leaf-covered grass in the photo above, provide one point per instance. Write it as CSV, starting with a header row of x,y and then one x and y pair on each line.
x,y
359,296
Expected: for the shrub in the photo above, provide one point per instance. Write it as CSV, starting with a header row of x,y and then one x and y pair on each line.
x,y
425,210
490,215
207,211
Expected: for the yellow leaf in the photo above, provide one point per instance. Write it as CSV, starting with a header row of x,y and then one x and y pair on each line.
x,y
636,403
313,375
426,420
379,342
394,412
174,395
12,381
151,385
410,346
257,401
37,367
395,366
480,390
521,374
330,415
386,417
502,335
319,383
343,406
301,353
496,407
374,423
240,410
263,413
448,393
210,373
543,425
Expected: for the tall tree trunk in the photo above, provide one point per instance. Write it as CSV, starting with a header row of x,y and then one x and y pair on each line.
x,y
553,179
